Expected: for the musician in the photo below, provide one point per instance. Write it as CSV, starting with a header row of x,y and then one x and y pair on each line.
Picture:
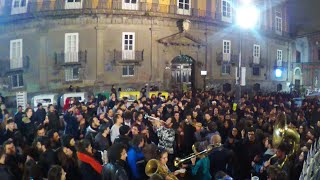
x,y
201,169
166,137
281,160
162,156
220,157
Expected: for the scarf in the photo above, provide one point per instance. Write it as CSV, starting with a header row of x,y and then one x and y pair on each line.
x,y
89,160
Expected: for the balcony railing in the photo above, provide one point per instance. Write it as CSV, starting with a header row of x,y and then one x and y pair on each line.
x,y
135,57
233,59
283,64
70,58
256,63
8,66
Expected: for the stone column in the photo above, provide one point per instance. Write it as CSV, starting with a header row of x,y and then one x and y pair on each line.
x,y
100,31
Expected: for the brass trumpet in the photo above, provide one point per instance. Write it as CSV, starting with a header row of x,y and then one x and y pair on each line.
x,y
153,167
150,117
205,152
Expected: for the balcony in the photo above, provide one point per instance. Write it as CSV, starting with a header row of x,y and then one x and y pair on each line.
x,y
70,58
283,64
255,63
128,57
10,66
234,58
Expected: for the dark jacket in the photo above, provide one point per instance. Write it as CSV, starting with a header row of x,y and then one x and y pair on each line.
x,y
124,140
28,130
89,167
114,171
72,125
47,159
219,159
40,115
54,121
101,142
12,163
5,173
69,164
91,133
18,119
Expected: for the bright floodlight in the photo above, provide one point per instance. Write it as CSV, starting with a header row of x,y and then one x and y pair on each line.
x,y
247,16
278,73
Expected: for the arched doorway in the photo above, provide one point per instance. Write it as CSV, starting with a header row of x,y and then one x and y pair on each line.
x,y
182,71
297,78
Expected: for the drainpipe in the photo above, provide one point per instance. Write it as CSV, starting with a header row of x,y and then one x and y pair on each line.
x,y
151,57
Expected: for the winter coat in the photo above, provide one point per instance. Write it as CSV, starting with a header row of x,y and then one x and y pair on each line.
x,y
124,140
114,171
89,167
47,159
72,125
40,115
101,142
135,155
54,121
91,134
5,173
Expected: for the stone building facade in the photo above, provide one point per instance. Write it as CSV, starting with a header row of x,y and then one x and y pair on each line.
x,y
46,46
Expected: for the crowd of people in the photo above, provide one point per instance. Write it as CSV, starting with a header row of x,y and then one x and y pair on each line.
x,y
114,138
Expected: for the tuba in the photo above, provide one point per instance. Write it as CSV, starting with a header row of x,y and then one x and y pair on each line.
x,y
153,167
282,133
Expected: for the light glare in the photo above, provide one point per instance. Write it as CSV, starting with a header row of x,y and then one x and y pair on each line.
x,y
247,16
278,73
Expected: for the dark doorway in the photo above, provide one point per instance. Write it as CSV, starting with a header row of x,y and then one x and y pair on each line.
x,y
279,87
183,71
226,87
297,84
256,87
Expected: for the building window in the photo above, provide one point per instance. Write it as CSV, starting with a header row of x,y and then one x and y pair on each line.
x,y
226,11
73,4
279,58
278,22
256,54
184,7
298,57
19,6
130,4
256,71
71,74
128,43
128,70
16,47
17,80
225,69
226,50
71,47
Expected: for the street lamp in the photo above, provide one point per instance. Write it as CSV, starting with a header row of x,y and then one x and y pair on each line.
x,y
204,74
247,18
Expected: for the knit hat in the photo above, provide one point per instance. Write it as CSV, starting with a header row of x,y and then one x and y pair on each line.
x,y
124,129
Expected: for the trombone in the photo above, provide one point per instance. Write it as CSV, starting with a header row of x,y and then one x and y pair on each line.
x,y
205,152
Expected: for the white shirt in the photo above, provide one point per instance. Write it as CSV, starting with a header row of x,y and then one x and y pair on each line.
x,y
114,132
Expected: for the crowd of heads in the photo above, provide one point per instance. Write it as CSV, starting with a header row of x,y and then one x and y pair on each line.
x,y
49,142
